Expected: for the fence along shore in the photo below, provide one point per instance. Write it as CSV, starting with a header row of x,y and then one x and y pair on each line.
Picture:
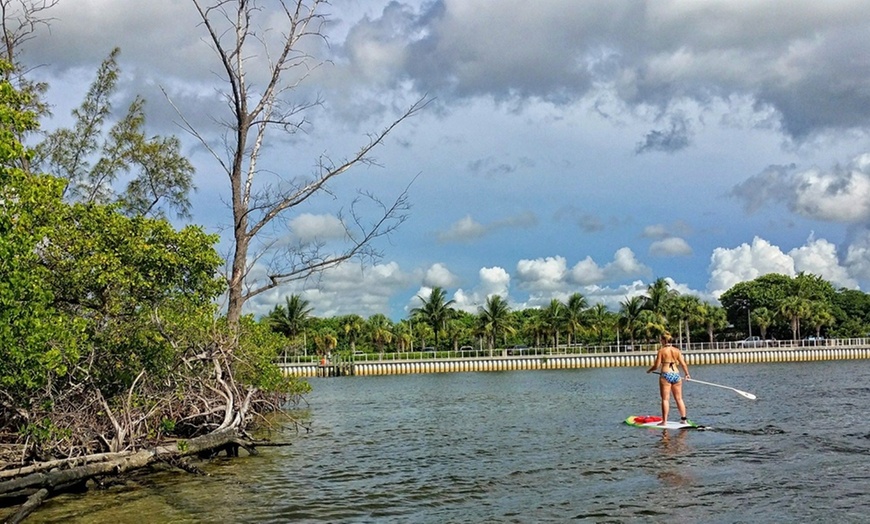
x,y
572,357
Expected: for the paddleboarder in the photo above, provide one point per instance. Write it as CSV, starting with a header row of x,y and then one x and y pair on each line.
x,y
668,361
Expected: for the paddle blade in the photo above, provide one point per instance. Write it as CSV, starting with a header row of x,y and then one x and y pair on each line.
x,y
750,396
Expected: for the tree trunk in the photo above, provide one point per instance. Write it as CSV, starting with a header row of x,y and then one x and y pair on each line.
x,y
37,485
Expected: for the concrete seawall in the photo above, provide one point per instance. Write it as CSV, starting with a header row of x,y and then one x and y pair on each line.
x,y
569,362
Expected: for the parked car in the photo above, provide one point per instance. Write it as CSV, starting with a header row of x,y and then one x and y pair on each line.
x,y
758,342
813,340
516,350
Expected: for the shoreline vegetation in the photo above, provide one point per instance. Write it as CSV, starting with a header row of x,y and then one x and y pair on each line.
x,y
114,351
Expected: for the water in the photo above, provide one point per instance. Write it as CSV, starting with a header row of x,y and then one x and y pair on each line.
x,y
538,446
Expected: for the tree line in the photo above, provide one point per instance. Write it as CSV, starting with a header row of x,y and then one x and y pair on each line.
x,y
772,306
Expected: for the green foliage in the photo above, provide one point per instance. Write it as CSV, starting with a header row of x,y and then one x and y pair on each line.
x,y
90,158
28,324
254,364
43,431
113,276
292,318
435,311
167,425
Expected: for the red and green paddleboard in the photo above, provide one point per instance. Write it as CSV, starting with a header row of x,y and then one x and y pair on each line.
x,y
652,421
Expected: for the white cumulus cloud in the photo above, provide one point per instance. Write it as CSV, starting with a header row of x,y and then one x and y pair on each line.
x,y
309,228
840,194
493,281
439,276
819,257
746,262
670,247
542,273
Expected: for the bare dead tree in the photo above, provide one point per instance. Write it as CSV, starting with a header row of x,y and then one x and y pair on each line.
x,y
20,20
256,113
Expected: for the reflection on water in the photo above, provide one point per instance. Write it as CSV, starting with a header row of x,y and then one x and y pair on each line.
x,y
529,446
673,447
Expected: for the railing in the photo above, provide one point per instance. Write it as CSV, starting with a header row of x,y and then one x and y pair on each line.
x,y
574,349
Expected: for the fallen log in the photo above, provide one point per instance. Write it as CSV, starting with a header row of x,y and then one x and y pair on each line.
x,y
58,463
39,485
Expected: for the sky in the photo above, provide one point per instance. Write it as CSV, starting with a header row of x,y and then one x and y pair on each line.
x,y
568,146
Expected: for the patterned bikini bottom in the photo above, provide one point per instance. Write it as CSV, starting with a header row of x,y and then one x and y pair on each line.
x,y
671,377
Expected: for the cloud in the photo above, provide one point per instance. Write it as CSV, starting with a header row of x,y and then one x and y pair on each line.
x,y
857,258
494,167
493,281
746,262
663,231
547,274
439,276
841,194
350,288
624,265
800,65
819,257
309,228
584,220
674,138
468,229
670,247
649,56
551,274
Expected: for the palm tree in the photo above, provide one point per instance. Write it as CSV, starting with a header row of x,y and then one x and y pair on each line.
x,y
794,309
404,335
820,316
629,315
575,315
291,319
435,311
651,325
352,325
494,318
380,331
456,330
325,342
599,321
688,309
763,318
658,299
534,327
554,317
714,318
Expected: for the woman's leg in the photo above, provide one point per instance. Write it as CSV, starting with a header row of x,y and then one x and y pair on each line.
x,y
665,390
677,390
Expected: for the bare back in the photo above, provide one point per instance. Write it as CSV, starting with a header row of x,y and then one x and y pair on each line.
x,y
669,358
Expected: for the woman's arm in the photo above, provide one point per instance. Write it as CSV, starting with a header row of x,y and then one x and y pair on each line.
x,y
657,364
684,365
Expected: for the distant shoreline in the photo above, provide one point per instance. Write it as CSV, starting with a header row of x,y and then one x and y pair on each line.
x,y
857,349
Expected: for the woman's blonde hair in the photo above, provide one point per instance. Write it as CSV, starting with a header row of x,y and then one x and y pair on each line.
x,y
666,336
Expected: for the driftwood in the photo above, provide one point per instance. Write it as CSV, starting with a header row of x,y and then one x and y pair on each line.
x,y
35,484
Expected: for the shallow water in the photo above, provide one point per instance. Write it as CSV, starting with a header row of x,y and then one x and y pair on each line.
x,y
538,446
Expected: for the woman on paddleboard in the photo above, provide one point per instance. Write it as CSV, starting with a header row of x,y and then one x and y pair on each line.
x,y
670,383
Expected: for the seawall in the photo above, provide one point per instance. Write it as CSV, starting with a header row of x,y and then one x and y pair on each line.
x,y
573,361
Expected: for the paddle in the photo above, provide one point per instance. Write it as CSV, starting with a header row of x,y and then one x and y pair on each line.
x,y
748,395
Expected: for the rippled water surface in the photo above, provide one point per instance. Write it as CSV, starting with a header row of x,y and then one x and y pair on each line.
x,y
538,446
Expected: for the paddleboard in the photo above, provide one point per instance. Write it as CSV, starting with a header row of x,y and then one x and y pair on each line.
x,y
652,421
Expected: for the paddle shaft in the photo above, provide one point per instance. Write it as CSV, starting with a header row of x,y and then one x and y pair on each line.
x,y
739,392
